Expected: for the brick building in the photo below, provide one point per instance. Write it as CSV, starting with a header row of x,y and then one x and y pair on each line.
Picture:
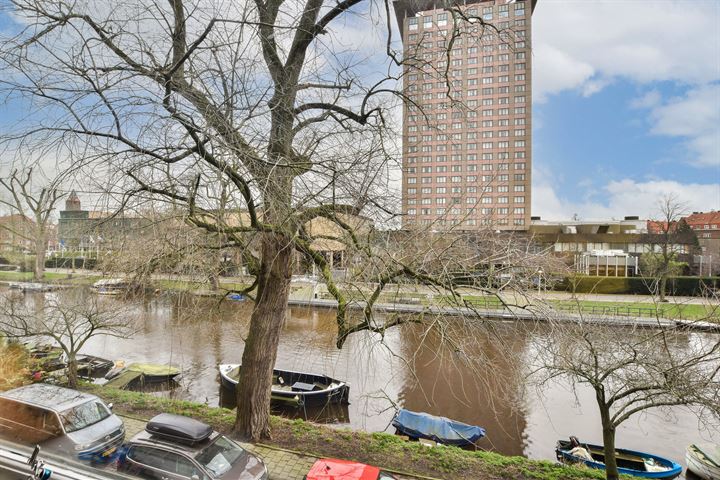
x,y
467,122
707,229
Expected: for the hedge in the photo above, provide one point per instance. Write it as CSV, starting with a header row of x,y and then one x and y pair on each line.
x,y
67,262
680,286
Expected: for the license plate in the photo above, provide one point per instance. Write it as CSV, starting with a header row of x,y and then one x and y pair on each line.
x,y
107,453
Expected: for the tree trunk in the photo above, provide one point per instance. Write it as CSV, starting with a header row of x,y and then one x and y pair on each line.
x,y
72,374
611,469
40,248
214,281
258,361
663,286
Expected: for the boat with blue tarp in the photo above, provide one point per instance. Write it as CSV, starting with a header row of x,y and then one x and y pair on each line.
x,y
443,430
629,462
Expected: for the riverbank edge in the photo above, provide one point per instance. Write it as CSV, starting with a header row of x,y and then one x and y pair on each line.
x,y
382,449
529,313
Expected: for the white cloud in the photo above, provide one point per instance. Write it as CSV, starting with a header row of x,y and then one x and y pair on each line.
x,y
623,197
696,117
580,44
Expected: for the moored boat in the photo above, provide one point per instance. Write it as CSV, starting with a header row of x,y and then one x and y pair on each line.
x,y
92,366
294,388
144,373
629,462
703,459
112,286
417,425
32,287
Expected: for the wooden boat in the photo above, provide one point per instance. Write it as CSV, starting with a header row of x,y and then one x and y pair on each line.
x,y
294,388
417,425
92,366
144,373
629,462
704,460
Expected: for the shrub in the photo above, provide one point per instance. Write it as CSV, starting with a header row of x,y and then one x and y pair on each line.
x,y
681,286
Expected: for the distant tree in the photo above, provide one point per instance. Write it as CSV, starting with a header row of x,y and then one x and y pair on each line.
x,y
70,321
35,205
665,233
265,95
630,371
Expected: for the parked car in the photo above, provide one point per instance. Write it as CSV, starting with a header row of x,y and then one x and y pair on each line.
x,y
174,447
62,420
331,469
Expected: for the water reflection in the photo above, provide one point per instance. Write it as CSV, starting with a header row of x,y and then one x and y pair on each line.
x,y
481,388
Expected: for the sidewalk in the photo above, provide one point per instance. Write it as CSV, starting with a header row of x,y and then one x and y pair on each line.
x,y
281,464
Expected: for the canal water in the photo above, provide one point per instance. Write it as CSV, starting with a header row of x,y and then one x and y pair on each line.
x,y
403,368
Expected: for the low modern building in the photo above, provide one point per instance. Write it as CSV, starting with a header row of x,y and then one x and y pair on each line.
x,y
606,248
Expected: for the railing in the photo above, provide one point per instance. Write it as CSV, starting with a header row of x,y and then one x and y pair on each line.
x,y
604,310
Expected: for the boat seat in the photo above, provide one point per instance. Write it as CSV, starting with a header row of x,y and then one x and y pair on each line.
x,y
303,387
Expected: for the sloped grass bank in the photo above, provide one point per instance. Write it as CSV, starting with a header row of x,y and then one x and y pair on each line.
x,y
375,448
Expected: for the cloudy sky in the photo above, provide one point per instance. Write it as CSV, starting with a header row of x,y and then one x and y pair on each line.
x,y
627,106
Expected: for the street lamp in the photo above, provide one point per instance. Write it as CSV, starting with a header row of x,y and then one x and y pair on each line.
x,y
540,273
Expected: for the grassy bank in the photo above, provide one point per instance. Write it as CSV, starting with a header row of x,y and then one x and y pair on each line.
x,y
374,448
51,277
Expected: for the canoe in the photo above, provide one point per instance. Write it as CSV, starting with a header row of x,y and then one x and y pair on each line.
x,y
443,430
294,388
703,460
630,462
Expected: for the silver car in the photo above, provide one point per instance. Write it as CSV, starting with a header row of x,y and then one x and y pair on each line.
x,y
61,420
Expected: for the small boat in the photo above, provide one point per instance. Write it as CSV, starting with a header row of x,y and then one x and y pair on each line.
x,y
704,460
145,373
112,286
417,425
294,388
48,357
32,287
629,462
92,366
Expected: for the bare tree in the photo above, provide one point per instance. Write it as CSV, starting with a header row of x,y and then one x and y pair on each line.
x,y
37,206
168,97
666,233
631,371
70,321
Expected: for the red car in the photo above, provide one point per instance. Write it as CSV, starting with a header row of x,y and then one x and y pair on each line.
x,y
331,469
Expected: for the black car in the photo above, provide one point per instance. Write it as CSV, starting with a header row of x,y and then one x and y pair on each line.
x,y
174,447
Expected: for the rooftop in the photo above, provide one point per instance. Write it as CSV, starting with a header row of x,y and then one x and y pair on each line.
x,y
48,396
409,8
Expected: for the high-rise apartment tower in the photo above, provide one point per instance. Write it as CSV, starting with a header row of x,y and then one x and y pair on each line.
x,y
467,116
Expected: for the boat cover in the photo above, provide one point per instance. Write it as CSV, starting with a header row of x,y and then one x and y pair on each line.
x,y
439,429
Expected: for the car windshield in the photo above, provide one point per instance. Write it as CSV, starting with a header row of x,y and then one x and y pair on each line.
x,y
220,456
84,415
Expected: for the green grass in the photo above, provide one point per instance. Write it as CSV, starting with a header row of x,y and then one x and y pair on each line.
x,y
675,311
375,448
75,279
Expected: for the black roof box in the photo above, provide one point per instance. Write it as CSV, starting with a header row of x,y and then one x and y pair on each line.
x,y
178,428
